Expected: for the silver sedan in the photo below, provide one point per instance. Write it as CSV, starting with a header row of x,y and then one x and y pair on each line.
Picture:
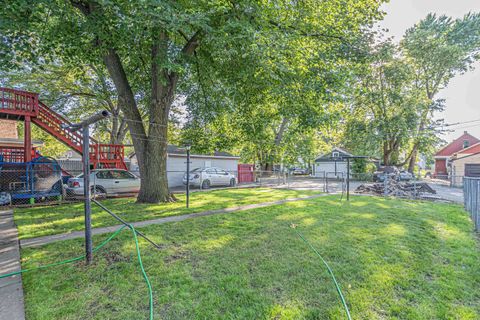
x,y
105,182
207,177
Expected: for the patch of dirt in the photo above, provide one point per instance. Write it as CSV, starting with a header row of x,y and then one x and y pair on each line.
x,y
177,255
114,256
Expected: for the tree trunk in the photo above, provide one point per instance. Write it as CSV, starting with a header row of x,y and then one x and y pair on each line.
x,y
151,155
269,165
151,149
413,159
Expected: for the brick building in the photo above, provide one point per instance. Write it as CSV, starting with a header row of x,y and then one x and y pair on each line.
x,y
11,145
464,145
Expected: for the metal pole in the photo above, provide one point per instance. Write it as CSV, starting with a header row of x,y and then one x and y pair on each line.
x,y
125,223
188,177
348,179
84,126
385,183
86,193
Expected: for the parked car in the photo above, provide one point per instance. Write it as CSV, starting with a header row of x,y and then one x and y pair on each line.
x,y
392,172
298,171
382,172
404,175
211,176
105,182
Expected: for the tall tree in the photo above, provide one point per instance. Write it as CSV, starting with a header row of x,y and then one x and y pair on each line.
x,y
439,48
148,48
385,106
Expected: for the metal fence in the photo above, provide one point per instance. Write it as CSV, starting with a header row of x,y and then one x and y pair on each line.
x,y
28,183
16,190
471,195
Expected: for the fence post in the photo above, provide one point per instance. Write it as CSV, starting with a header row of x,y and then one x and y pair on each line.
x,y
470,196
477,209
324,182
414,187
385,183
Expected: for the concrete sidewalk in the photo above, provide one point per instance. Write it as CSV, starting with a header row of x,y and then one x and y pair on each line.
x,y
34,242
11,290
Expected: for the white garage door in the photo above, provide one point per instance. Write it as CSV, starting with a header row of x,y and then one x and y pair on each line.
x,y
331,168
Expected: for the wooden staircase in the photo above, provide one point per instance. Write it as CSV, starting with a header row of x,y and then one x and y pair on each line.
x,y
25,106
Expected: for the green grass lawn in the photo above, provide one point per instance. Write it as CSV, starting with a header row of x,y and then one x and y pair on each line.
x,y
42,221
394,259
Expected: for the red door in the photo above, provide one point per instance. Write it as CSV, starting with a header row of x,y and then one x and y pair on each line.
x,y
245,173
441,168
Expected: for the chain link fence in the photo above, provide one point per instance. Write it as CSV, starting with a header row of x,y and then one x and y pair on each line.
x,y
23,185
471,192
39,181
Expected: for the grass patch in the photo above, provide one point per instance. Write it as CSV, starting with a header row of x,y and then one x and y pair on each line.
x,y
394,259
41,221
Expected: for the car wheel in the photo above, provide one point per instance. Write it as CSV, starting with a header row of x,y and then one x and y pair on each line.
x,y
206,184
233,182
98,192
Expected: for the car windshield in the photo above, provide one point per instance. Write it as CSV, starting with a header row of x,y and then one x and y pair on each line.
x,y
196,170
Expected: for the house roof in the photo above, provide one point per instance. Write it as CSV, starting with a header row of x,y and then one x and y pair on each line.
x,y
328,155
457,145
471,150
178,151
466,156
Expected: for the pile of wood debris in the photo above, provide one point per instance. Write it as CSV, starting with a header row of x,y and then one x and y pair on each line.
x,y
397,189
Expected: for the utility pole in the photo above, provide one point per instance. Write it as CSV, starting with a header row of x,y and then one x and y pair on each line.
x,y
84,127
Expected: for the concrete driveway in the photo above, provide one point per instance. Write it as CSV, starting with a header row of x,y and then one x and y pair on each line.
x,y
446,192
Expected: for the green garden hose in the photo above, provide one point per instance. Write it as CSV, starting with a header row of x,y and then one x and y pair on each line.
x,y
113,235
64,261
150,291
329,271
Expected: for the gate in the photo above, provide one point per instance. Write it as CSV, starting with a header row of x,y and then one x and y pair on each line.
x,y
245,173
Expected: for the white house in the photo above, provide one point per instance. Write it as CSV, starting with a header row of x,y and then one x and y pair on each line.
x,y
332,164
177,163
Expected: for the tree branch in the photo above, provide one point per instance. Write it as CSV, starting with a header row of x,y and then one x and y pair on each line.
x,y
191,44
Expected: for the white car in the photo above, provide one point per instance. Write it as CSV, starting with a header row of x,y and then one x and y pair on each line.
x,y
207,177
105,182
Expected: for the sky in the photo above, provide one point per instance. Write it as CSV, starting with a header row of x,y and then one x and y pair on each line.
x,y
463,92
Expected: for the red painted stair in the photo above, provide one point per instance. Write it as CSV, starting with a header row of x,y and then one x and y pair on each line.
x,y
18,104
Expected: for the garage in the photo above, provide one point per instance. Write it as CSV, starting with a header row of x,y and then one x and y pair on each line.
x,y
472,170
332,164
464,166
177,163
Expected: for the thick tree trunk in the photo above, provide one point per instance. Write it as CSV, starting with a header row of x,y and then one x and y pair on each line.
x,y
386,154
150,153
151,149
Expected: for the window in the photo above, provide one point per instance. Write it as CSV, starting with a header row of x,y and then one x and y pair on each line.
x,y
104,174
466,144
121,175
211,171
222,172
335,154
